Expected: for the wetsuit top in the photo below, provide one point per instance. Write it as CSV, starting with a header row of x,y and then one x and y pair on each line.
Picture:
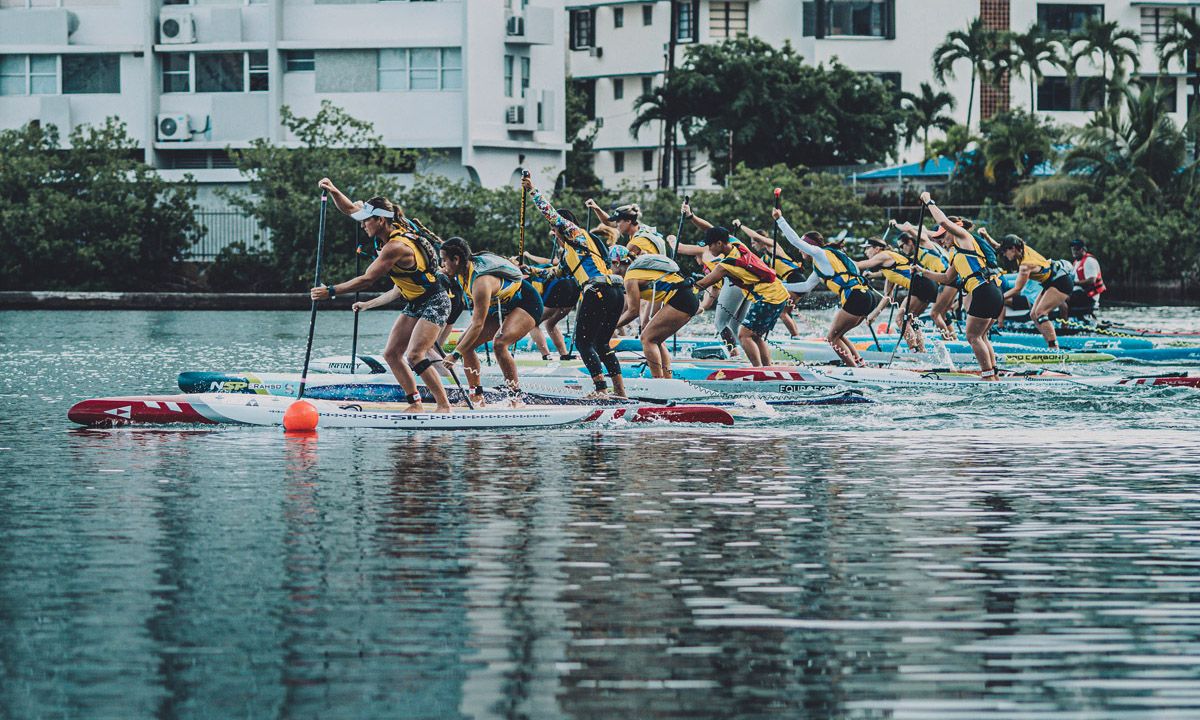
x,y
420,279
585,257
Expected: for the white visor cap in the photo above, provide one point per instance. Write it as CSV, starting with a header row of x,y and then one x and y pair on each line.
x,y
369,210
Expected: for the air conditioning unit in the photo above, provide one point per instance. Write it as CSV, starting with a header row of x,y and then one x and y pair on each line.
x,y
596,52
514,115
516,25
176,28
174,127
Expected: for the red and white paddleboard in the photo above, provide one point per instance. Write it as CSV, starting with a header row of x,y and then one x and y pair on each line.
x,y
214,408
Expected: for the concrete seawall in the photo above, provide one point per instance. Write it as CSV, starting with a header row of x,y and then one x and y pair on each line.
x,y
61,300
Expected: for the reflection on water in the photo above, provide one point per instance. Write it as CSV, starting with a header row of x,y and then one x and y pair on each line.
x,y
911,559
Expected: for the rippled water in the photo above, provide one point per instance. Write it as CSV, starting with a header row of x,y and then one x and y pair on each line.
x,y
1000,555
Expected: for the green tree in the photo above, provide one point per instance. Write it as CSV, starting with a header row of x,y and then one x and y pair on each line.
x,y
580,169
1113,47
923,113
1182,42
771,107
1031,51
283,196
976,44
956,146
1015,142
91,216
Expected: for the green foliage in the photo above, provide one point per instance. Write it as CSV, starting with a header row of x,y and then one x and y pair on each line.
x,y
283,195
579,172
92,217
238,270
1031,51
773,107
923,113
977,45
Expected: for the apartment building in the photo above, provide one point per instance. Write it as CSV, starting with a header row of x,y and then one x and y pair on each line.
x,y
617,51
478,81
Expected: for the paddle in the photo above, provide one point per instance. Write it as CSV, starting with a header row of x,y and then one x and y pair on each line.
x,y
357,271
524,198
674,248
775,228
312,318
913,260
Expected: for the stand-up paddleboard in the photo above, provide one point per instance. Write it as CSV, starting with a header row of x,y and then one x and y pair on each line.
x,y
383,387
893,377
216,408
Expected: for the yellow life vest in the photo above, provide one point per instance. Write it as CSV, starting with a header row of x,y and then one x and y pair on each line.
x,y
647,240
772,293
1044,269
655,285
900,273
420,279
845,278
971,266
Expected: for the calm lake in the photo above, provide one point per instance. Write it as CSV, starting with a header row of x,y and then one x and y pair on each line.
x,y
1001,555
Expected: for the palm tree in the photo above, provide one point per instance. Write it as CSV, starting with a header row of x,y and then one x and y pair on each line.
x,y
975,45
1016,140
1113,46
1182,42
1032,50
924,113
954,146
1143,145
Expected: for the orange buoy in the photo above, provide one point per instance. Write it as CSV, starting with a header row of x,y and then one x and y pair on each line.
x,y
301,415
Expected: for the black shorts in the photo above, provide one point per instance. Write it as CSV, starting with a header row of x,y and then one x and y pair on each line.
x,y
1062,283
923,289
561,292
986,301
685,301
527,299
858,303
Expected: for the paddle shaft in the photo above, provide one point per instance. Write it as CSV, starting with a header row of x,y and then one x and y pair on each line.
x,y
913,261
357,271
312,317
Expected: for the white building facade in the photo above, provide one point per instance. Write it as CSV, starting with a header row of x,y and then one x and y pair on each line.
x,y
617,51
478,82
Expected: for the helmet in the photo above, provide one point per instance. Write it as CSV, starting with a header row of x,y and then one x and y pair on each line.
x,y
617,253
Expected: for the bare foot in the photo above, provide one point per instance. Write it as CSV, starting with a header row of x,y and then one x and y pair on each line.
x,y
445,409
597,395
415,408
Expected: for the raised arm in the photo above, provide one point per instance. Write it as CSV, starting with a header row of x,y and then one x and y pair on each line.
x,y
754,235
804,286
343,203
694,218
558,222
820,262
936,212
599,212
983,233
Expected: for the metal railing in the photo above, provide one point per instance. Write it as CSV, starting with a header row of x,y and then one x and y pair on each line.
x,y
222,229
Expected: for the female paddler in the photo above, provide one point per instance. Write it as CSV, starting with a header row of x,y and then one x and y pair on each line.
x,y
841,276
968,262
731,300
410,262
601,295
657,280
1055,278
745,270
504,308
897,273
560,294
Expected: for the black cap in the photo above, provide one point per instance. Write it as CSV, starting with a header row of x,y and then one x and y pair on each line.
x,y
1078,243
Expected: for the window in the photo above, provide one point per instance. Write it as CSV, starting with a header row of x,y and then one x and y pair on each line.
x,y
85,74
687,14
176,72
647,161
728,19
618,88
647,85
685,162
420,69
849,18
299,61
1063,94
509,64
219,72
583,29
618,17
257,70
618,162
647,15
215,72
1063,18
28,74
524,76
1156,21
